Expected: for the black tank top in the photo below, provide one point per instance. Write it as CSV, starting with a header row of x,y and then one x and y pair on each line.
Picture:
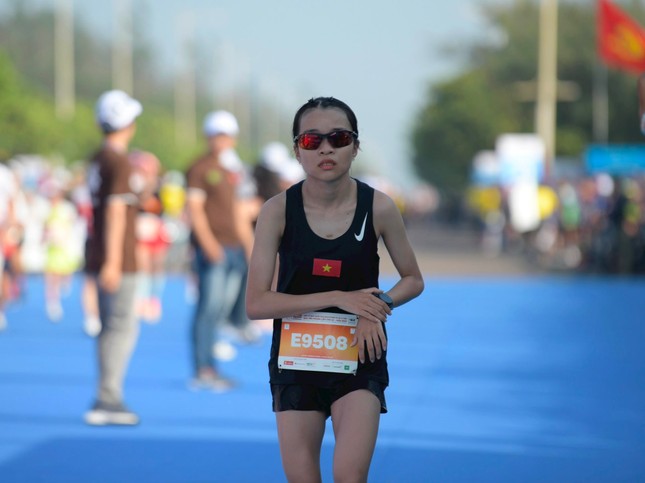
x,y
353,261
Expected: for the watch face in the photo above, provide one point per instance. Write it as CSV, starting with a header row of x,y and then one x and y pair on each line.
x,y
386,298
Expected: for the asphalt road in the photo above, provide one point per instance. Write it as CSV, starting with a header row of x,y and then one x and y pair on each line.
x,y
447,250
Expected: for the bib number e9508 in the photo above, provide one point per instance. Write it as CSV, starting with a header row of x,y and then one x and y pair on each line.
x,y
318,341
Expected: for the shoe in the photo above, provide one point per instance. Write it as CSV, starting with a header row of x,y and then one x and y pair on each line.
x,y
104,414
191,292
251,333
224,351
92,326
209,379
152,311
54,311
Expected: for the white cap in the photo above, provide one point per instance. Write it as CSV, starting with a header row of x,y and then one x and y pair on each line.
x,y
220,122
291,171
274,156
116,110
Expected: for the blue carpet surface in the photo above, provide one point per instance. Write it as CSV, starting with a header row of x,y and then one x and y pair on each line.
x,y
492,380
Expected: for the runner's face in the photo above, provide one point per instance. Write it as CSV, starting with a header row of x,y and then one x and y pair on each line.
x,y
326,161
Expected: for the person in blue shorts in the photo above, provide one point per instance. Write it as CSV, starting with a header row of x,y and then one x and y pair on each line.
x,y
329,345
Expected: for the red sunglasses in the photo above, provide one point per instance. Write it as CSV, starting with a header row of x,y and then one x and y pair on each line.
x,y
312,140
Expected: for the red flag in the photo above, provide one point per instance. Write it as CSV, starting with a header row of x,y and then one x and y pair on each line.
x,y
621,40
326,268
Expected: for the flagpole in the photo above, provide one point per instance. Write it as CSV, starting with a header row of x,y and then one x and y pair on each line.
x,y
122,56
65,97
185,81
600,104
545,112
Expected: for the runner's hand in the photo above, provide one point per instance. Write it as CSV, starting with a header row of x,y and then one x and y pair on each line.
x,y
364,304
215,254
110,277
369,336
371,312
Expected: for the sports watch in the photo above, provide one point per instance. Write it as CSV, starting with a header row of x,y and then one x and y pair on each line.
x,y
386,298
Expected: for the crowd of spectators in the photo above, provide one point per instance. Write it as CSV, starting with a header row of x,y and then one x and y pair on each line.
x,y
588,224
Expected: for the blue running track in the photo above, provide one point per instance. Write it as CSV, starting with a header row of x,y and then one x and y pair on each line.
x,y
494,380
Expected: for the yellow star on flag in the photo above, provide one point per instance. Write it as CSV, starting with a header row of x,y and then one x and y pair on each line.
x,y
326,268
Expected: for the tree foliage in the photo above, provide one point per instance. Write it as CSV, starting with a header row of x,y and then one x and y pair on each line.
x,y
28,92
466,113
28,122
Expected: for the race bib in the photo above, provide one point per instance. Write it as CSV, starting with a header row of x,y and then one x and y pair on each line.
x,y
319,341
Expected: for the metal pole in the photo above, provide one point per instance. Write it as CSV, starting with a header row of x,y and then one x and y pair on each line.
x,y
600,104
64,60
185,84
545,113
122,72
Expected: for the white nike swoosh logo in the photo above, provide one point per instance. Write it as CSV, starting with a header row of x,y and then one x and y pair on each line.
x,y
359,237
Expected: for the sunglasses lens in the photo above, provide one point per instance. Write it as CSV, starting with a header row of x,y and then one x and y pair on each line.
x,y
310,141
340,139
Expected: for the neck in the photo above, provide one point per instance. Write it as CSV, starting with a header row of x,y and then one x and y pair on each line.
x,y
327,193
119,141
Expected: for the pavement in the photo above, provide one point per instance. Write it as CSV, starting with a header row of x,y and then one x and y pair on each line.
x,y
445,250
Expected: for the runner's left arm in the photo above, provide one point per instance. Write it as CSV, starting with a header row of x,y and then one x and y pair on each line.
x,y
388,223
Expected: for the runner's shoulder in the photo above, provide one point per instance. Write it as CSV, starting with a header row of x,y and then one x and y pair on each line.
x,y
273,209
383,204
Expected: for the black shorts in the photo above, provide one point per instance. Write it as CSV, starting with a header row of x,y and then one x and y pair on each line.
x,y
306,397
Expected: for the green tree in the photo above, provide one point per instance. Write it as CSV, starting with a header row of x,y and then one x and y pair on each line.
x,y
457,123
27,35
27,89
466,113
26,39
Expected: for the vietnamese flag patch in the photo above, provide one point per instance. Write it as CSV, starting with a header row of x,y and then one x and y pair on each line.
x,y
326,268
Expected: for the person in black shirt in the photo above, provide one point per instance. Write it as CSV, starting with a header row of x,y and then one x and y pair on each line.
x,y
328,353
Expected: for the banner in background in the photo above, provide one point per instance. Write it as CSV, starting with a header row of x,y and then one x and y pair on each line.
x,y
618,160
521,161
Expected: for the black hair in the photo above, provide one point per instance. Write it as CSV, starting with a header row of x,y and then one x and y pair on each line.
x,y
325,103
106,128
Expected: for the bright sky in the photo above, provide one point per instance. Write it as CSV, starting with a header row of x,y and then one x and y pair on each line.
x,y
377,56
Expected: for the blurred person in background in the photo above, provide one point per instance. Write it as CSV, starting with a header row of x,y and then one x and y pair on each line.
x,y
11,234
152,239
221,239
276,170
172,194
570,217
486,202
110,255
625,218
266,172
61,259
80,195
237,327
